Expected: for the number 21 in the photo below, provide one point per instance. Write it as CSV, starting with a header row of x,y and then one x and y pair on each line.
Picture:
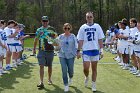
x,y
90,36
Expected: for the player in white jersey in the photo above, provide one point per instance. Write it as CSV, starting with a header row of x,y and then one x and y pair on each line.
x,y
108,43
3,34
133,30
10,34
90,37
16,46
136,42
124,20
2,46
123,44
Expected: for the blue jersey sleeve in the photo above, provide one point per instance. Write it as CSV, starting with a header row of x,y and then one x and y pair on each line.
x,y
116,31
22,33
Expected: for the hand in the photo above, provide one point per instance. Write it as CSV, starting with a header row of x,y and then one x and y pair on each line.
x,y
101,55
4,46
27,36
78,54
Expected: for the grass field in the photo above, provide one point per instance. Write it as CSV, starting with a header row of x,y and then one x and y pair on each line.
x,y
111,78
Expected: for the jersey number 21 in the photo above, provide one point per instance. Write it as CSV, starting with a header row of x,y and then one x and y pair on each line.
x,y
90,36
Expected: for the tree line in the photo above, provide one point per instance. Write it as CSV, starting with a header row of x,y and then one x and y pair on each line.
x,y
29,12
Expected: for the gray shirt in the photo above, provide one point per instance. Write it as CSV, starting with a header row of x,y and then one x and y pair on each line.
x,y
68,46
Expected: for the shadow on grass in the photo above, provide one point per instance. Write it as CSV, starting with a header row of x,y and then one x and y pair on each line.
x,y
56,90
96,91
7,80
59,90
76,89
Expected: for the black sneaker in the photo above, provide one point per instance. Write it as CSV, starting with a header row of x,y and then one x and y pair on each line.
x,y
41,85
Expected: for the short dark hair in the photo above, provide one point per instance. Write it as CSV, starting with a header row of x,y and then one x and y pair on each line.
x,y
2,21
124,23
11,22
134,20
124,20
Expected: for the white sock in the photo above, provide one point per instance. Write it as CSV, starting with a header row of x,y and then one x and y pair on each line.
x,y
13,61
7,65
134,68
18,60
93,82
0,64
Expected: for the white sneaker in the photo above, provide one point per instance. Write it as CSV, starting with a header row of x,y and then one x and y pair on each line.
x,y
136,72
121,63
125,68
4,72
133,71
18,63
0,72
86,81
93,86
70,81
138,75
14,65
66,88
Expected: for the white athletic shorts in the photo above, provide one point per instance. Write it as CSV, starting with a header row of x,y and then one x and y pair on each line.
x,y
131,50
90,58
137,54
14,48
2,51
123,50
107,41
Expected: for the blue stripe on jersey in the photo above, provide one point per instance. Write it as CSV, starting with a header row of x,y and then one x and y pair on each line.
x,y
14,44
91,52
137,51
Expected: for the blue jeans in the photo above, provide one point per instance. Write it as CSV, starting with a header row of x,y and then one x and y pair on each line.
x,y
67,65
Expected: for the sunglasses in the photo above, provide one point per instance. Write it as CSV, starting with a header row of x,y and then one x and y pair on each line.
x,y
66,28
89,16
45,20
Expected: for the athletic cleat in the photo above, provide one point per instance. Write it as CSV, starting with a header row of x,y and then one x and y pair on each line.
x,y
125,68
8,68
138,75
1,73
86,81
136,72
14,65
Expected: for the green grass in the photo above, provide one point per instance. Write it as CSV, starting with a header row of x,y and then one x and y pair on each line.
x,y
29,42
111,78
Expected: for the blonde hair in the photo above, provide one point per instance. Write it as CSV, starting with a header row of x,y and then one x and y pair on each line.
x,y
67,24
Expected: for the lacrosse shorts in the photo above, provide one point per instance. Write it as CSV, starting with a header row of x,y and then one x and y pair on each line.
x,y
45,58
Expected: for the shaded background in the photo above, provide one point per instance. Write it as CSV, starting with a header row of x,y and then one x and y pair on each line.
x,y
29,12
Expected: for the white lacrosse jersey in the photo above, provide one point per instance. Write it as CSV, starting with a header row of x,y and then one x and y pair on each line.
x,y
9,31
90,34
137,38
124,42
